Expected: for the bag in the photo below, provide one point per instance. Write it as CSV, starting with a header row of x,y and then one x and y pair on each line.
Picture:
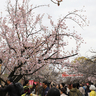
x,y
19,88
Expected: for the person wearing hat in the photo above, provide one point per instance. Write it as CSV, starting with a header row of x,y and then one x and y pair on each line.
x,y
93,89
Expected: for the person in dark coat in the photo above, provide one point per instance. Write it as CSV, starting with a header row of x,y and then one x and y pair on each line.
x,y
45,88
11,89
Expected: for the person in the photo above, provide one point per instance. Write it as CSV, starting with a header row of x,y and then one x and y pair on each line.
x,y
37,88
62,85
62,92
26,87
70,86
40,90
82,90
45,88
53,92
58,86
52,85
32,88
92,93
74,91
66,89
11,89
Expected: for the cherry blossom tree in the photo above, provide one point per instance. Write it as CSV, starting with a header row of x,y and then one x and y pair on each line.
x,y
48,73
26,45
85,66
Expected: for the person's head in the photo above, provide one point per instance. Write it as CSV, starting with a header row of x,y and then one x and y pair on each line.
x,y
81,85
52,85
26,83
62,85
70,86
62,91
58,86
44,84
53,92
78,85
9,80
37,85
74,85
48,84
92,87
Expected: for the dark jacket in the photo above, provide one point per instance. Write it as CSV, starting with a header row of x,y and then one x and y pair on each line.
x,y
74,92
45,91
11,89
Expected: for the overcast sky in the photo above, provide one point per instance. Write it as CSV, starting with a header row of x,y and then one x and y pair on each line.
x,y
88,33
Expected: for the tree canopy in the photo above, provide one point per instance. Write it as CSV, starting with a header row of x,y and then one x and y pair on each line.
x,y
26,45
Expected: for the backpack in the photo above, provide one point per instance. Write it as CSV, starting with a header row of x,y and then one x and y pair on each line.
x,y
19,88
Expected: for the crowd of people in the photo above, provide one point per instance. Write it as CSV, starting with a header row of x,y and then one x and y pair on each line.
x,y
51,89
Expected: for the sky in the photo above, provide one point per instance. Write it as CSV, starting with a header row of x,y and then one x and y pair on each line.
x,y
88,33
